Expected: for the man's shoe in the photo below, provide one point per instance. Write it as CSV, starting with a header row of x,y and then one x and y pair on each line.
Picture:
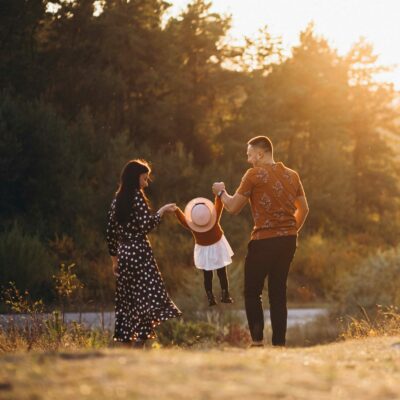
x,y
211,299
226,297
255,345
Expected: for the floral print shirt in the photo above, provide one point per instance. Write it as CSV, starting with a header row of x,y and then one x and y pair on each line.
x,y
272,191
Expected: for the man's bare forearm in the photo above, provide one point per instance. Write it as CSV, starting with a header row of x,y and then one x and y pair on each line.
x,y
227,200
233,204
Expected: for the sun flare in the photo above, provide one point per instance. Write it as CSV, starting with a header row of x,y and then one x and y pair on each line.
x,y
342,22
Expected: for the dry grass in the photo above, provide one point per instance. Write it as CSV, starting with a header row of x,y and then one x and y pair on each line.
x,y
49,333
384,321
356,369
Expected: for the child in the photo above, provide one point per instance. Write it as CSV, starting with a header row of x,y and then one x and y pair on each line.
x,y
211,251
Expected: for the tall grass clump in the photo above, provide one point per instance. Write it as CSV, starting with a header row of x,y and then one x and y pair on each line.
x,y
29,327
385,321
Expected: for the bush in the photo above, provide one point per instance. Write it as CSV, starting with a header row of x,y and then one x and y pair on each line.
x,y
182,333
25,261
321,264
375,281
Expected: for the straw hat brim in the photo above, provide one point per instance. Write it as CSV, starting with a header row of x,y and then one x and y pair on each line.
x,y
188,214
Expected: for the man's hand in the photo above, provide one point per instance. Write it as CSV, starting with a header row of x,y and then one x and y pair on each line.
x,y
301,211
233,204
217,187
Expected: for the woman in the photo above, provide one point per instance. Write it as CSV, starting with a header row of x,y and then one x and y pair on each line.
x,y
142,301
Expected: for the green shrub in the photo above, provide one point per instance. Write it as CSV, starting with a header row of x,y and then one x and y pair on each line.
x,y
320,264
375,281
25,261
185,333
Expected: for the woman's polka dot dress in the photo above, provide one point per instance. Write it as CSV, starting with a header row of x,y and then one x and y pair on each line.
x,y
141,300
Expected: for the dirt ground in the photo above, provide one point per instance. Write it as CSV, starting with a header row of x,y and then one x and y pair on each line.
x,y
356,369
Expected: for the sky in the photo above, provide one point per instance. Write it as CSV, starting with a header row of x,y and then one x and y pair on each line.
x,y
341,22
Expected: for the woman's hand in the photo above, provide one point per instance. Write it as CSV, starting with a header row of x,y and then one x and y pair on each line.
x,y
115,265
170,207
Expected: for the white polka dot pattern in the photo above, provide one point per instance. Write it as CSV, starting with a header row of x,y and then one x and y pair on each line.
x,y
141,301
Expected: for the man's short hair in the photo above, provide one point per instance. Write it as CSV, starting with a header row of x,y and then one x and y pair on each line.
x,y
262,142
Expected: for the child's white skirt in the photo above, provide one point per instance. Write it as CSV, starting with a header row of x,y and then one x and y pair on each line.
x,y
212,257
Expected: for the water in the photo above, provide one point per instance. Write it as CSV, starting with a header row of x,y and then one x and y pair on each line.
x,y
296,317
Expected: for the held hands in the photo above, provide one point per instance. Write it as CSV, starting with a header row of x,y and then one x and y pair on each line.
x,y
115,267
217,187
170,207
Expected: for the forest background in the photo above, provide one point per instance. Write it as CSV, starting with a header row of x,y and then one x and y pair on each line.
x,y
84,90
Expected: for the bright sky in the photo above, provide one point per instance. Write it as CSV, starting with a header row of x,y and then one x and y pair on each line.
x,y
342,22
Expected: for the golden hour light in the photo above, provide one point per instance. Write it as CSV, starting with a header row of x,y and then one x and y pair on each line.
x,y
341,22
199,200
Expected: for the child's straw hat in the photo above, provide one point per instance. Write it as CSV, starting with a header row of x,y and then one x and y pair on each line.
x,y
200,214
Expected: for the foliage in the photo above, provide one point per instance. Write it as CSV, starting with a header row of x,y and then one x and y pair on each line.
x,y
67,285
30,328
66,281
178,333
82,92
374,282
32,311
26,261
21,303
320,263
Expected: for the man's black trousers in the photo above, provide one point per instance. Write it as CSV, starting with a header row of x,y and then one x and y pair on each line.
x,y
268,258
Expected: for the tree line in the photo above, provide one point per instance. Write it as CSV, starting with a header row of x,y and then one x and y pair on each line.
x,y
82,92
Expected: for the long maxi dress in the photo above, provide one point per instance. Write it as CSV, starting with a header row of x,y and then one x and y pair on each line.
x,y
141,300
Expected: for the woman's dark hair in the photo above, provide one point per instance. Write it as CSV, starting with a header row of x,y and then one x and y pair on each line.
x,y
129,184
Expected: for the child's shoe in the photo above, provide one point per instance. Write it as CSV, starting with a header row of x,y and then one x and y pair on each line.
x,y
226,297
211,299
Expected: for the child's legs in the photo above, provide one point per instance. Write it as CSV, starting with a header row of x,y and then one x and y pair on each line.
x,y
223,278
208,277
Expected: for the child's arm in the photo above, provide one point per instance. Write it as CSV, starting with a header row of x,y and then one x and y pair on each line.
x,y
181,218
219,206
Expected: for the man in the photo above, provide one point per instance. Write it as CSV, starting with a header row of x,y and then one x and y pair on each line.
x,y
279,208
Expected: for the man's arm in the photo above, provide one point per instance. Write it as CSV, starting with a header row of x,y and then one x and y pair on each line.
x,y
233,204
301,211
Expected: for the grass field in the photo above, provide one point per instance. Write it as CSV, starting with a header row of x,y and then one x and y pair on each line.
x,y
355,369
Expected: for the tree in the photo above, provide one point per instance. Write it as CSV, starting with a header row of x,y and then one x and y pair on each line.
x,y
20,22
373,114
